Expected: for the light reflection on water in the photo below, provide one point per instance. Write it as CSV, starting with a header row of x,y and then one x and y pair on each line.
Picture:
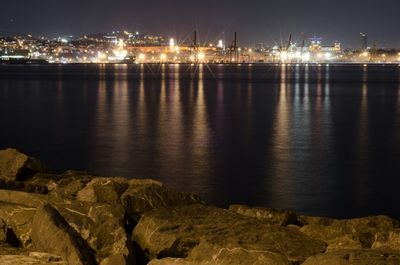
x,y
315,139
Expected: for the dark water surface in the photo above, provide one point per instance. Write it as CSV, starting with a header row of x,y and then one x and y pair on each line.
x,y
320,140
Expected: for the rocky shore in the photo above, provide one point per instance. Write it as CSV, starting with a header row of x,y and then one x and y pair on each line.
x,y
76,218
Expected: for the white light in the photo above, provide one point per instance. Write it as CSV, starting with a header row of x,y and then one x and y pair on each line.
x,y
201,56
163,57
141,57
284,56
306,56
220,44
328,55
171,42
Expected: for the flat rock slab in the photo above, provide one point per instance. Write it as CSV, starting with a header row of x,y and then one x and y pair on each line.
x,y
201,232
355,257
51,233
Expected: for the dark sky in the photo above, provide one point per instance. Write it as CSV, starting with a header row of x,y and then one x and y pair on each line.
x,y
255,20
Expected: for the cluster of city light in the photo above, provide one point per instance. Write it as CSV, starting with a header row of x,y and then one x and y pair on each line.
x,y
116,49
285,56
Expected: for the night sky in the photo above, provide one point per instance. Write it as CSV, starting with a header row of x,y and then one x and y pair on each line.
x,y
254,20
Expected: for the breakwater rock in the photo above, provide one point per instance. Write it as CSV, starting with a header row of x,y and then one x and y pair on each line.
x,y
77,218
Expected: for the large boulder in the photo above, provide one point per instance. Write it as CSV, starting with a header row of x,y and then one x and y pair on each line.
x,y
387,240
16,166
358,229
101,225
144,195
278,217
137,196
67,185
355,257
201,232
105,190
51,233
19,219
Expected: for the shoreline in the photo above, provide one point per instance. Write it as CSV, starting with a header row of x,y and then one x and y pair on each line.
x,y
77,218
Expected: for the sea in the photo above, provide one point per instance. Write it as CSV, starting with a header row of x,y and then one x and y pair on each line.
x,y
319,139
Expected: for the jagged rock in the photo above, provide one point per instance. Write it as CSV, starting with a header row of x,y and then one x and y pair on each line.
x,y
102,226
361,229
355,257
344,242
67,186
278,217
105,190
19,219
229,256
16,166
7,235
144,195
387,240
200,231
51,233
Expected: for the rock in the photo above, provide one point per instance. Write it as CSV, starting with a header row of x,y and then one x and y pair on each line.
x,y
144,195
278,217
201,232
229,256
23,198
101,225
344,242
355,257
105,190
361,229
51,233
67,186
44,256
25,260
7,235
17,166
387,240
19,219
3,231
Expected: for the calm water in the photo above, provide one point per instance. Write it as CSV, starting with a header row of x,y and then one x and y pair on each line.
x,y
319,139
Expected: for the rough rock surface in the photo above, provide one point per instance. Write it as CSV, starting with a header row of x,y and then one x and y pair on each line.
x,y
51,233
144,195
387,240
19,219
230,256
362,230
279,217
355,257
15,165
201,231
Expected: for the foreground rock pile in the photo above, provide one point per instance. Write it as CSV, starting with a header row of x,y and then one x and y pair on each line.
x,y
76,218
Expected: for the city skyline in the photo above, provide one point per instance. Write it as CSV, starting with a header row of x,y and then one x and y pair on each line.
x,y
256,21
